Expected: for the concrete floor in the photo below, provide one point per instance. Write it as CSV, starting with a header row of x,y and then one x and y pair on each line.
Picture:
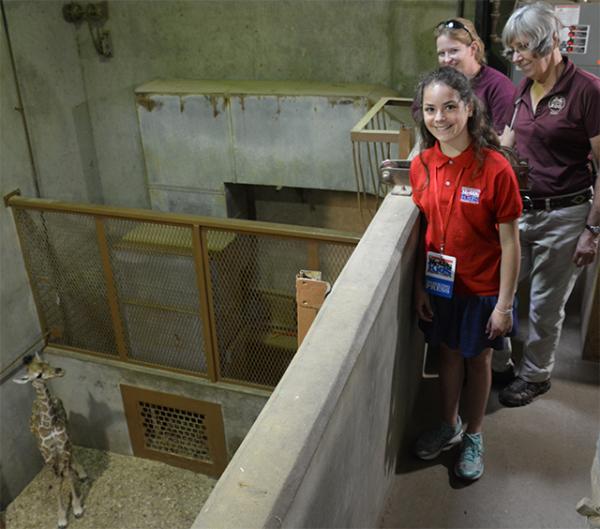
x,y
537,460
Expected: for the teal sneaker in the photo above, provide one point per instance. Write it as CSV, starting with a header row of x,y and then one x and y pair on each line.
x,y
470,462
433,442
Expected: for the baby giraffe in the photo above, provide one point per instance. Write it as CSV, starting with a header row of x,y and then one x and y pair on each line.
x,y
49,425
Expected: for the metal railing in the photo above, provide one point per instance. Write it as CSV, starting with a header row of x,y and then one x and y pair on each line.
x,y
384,132
205,296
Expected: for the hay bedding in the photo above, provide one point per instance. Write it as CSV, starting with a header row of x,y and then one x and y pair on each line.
x,y
121,492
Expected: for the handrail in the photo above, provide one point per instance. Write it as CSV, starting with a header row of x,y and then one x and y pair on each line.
x,y
380,134
15,200
359,131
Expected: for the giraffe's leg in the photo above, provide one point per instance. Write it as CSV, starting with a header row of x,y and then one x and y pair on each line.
x,y
79,470
62,510
75,497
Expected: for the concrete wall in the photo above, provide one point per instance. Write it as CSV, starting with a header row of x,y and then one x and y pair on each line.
x,y
81,107
91,394
197,135
322,453
19,326
55,100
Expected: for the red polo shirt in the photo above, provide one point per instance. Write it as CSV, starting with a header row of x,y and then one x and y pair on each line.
x,y
483,198
555,139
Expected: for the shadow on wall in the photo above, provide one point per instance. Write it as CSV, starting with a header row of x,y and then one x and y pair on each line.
x,y
85,431
20,457
406,378
3,494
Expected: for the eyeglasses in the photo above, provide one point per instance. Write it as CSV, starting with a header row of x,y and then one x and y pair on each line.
x,y
454,24
519,48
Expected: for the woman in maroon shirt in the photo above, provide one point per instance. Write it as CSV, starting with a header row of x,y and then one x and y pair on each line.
x,y
459,46
556,127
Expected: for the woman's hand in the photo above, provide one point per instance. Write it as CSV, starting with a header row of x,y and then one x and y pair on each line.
x,y
587,247
423,303
499,324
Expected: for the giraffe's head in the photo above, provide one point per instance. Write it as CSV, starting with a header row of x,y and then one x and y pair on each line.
x,y
37,369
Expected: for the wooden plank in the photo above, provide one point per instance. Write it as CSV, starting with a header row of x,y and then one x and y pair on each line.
x,y
310,295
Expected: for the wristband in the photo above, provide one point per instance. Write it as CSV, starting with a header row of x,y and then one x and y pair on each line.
x,y
504,312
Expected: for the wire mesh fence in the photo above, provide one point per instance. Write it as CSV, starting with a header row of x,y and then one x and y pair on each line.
x,y
253,285
65,268
155,278
211,298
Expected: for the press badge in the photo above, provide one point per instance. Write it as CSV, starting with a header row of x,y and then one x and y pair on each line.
x,y
439,274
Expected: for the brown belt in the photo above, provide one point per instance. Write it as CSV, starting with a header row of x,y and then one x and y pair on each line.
x,y
548,203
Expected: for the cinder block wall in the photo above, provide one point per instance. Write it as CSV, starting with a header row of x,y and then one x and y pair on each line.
x,y
322,453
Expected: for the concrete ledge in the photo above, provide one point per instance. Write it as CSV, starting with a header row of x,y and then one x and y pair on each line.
x,y
322,452
274,88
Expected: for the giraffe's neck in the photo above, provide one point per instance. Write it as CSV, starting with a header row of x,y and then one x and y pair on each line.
x,y
42,392
44,404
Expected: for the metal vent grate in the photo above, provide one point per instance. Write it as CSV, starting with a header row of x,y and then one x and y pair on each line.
x,y
177,430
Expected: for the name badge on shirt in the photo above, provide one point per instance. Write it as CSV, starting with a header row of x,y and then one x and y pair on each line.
x,y
470,195
439,274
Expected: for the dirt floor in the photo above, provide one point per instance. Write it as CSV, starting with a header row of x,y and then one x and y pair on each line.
x,y
121,492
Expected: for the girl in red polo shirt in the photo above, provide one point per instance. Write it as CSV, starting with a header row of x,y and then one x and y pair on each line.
x,y
469,261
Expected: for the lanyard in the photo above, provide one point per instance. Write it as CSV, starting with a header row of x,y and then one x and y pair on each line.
x,y
516,111
436,195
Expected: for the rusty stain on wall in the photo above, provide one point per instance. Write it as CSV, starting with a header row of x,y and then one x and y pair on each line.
x,y
213,103
336,101
147,102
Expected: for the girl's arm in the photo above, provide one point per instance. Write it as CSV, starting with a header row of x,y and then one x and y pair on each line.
x,y
422,302
500,321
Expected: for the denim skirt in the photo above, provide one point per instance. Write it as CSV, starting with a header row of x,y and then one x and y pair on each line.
x,y
460,323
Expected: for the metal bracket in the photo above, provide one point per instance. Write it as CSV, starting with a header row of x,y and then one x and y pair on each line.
x,y
96,15
396,173
8,196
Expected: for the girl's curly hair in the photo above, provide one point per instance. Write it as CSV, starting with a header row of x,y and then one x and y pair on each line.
x,y
480,130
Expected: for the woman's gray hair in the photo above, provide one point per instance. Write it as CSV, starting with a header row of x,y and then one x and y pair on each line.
x,y
534,24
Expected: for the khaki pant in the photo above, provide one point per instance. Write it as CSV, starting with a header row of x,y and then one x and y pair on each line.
x,y
548,242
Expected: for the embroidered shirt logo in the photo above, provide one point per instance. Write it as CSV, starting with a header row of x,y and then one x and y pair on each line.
x,y
470,195
556,104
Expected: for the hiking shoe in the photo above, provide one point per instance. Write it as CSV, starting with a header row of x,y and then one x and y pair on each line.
x,y
503,378
431,443
521,392
470,462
